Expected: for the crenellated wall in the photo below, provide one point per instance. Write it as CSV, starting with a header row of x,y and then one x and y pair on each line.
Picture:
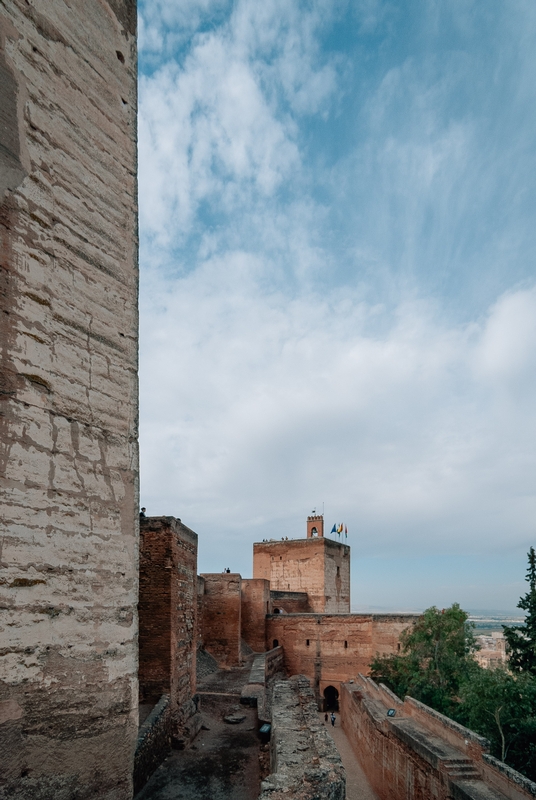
x,y
68,399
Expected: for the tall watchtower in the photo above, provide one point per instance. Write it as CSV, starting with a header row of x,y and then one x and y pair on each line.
x,y
316,565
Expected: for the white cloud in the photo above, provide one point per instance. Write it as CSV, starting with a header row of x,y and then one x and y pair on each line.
x,y
337,273
263,396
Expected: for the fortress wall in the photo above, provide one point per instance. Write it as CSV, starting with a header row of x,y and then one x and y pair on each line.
x,y
68,398
337,577
200,594
418,753
221,618
307,565
326,659
167,612
255,604
290,602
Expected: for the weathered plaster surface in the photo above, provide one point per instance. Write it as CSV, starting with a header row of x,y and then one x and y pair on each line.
x,y
68,398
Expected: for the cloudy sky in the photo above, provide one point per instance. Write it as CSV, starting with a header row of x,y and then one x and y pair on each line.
x,y
338,285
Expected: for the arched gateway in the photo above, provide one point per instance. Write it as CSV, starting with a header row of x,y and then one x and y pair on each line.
x,y
331,699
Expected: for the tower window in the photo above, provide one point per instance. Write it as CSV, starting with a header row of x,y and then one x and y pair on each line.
x,y
276,643
345,644
281,558
307,642
338,571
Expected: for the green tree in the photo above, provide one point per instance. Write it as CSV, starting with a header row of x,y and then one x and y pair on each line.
x,y
521,639
502,707
437,658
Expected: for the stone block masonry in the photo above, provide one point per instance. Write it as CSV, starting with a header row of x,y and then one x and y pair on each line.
x,y
168,619
318,566
304,761
68,399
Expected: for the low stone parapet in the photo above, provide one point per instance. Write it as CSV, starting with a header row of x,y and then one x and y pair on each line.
x,y
408,751
154,742
304,760
257,692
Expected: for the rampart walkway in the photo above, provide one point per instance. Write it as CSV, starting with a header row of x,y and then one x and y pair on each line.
x,y
357,786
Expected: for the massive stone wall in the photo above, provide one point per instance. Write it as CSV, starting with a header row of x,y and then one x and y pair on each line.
x,y
221,617
68,393
417,753
255,604
168,616
333,648
318,566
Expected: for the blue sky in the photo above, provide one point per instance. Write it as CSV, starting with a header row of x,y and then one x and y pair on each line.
x,y
338,284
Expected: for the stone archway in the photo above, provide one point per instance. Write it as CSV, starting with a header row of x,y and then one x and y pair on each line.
x,y
331,699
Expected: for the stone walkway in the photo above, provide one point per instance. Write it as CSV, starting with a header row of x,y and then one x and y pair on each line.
x,y
357,785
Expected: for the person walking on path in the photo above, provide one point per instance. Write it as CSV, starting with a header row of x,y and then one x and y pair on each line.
x,y
326,717
333,718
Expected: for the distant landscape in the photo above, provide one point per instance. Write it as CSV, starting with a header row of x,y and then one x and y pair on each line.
x,y
483,620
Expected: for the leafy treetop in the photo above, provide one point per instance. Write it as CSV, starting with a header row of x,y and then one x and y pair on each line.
x,y
521,639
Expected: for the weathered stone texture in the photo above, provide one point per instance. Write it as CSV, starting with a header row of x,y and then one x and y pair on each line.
x,y
68,398
255,604
305,763
167,609
221,617
318,566
290,603
154,742
168,616
332,648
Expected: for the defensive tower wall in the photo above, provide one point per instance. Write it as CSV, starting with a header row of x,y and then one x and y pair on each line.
x,y
68,394
318,566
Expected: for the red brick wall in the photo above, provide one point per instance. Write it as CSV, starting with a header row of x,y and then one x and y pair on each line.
x,y
222,617
167,610
255,605
326,659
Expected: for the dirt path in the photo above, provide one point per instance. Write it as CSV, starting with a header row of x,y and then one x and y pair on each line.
x,y
223,762
357,785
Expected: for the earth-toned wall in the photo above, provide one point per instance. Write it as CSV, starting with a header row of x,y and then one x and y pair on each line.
x,y
318,566
221,617
411,752
256,604
167,612
68,394
290,603
333,648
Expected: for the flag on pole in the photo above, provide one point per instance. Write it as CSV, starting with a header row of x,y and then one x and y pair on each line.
x,y
345,532
334,529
